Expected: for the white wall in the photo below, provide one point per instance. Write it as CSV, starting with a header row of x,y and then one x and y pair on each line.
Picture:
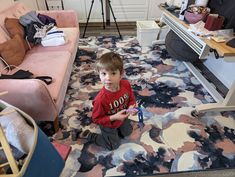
x,y
153,10
30,4
5,3
41,4
124,10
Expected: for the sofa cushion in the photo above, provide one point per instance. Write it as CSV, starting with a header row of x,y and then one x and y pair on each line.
x,y
13,50
14,27
68,19
54,64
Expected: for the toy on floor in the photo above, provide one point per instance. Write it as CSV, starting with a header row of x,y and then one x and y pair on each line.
x,y
138,117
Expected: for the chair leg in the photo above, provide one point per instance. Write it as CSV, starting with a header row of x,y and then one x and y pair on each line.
x,y
56,124
228,103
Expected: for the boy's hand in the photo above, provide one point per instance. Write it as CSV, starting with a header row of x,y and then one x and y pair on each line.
x,y
132,110
121,115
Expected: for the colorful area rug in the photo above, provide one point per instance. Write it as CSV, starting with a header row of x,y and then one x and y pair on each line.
x,y
171,140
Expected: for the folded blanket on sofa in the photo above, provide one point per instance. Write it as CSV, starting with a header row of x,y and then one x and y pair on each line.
x,y
54,37
53,42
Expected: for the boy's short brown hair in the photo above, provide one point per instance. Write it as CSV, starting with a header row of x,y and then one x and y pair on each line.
x,y
110,61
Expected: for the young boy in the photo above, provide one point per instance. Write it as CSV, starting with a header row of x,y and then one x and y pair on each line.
x,y
111,104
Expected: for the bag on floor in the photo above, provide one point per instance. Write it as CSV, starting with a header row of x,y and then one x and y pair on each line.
x,y
41,160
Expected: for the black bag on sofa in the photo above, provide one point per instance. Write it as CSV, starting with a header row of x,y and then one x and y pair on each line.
x,y
22,74
178,49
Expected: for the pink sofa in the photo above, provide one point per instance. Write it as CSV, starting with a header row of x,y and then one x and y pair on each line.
x,y
42,102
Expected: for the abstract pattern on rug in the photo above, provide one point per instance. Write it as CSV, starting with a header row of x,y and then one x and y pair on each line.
x,y
171,140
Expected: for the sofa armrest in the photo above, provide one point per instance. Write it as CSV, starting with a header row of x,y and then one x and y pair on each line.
x,y
31,96
64,18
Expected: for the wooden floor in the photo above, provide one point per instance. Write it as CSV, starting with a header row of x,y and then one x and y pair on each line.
x,y
96,29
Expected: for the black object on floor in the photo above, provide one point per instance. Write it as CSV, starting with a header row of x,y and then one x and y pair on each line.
x,y
178,49
231,43
220,87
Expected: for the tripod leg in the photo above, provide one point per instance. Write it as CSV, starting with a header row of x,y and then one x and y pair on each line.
x,y
107,14
102,12
114,19
88,18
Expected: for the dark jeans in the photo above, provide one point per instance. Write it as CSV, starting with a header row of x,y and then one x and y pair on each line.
x,y
110,138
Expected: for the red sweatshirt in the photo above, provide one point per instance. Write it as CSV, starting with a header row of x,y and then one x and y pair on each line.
x,y
107,103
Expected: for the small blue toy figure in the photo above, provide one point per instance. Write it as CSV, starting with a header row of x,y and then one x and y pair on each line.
x,y
141,118
139,112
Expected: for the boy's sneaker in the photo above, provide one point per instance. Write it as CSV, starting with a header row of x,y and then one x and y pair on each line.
x,y
75,133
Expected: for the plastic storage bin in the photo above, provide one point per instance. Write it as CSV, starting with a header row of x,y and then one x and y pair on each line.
x,y
163,32
147,32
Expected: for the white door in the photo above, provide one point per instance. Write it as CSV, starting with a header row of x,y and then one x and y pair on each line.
x,y
154,12
78,6
130,10
96,12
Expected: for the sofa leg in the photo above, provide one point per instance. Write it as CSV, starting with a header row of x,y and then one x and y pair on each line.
x,y
56,124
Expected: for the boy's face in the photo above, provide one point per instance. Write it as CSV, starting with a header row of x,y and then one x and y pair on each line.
x,y
110,79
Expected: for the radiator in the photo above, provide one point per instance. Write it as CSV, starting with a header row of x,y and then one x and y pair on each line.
x,y
200,47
